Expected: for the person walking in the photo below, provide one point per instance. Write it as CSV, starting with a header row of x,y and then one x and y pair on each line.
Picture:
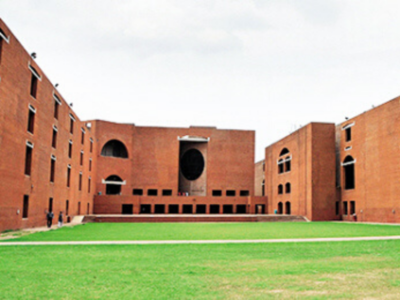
x,y
50,217
60,220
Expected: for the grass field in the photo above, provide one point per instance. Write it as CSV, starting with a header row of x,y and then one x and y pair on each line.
x,y
350,270
209,231
324,270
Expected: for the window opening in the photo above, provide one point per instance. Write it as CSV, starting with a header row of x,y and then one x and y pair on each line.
x,y
352,207
25,207
214,209
244,193
145,208
114,148
31,119
167,192
217,193
138,192
280,189
349,173
127,209
227,209
28,158
159,209
69,176
200,209
345,208
241,208
187,208
54,139
287,188
230,193
288,208
173,209
152,192
52,168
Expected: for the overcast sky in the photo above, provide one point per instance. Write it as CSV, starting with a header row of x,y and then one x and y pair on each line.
x,y
264,65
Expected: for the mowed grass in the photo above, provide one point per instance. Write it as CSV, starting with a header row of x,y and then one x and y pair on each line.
x,y
209,231
336,270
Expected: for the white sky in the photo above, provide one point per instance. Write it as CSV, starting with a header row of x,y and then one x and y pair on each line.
x,y
265,65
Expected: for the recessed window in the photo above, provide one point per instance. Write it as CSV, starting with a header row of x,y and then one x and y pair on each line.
x,y
231,193
54,139
227,209
80,181
288,208
145,208
89,181
52,168
152,192
83,136
34,85
25,207
280,189
345,208
263,188
337,208
31,119
66,207
244,193
57,103
173,209
28,158
159,209
50,208
348,134
241,208
288,165
349,172
91,145
70,149
3,37
90,165
138,192
69,176
217,193
71,123
113,185
214,209
280,166
352,207
187,208
287,188
81,159
201,208
167,192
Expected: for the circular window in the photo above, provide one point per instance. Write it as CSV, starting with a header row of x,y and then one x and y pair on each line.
x,y
192,164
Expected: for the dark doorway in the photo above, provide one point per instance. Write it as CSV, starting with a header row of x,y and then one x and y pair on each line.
x,y
127,209
349,176
241,208
173,209
200,209
214,209
159,209
187,209
260,209
227,209
288,208
280,208
145,208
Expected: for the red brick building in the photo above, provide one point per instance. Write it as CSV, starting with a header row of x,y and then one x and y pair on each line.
x,y
51,160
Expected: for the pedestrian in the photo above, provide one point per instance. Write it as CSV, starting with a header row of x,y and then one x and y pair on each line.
x,y
60,220
50,217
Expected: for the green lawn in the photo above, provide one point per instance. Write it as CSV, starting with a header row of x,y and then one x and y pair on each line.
x,y
352,270
209,231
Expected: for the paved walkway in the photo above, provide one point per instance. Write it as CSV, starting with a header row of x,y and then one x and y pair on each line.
x,y
342,239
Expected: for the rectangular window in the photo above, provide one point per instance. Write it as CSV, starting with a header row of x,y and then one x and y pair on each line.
x,y
345,208
3,38
81,158
90,165
152,192
80,181
67,207
34,85
352,207
50,204
71,124
244,193
28,158
31,119
54,140
91,145
25,207
57,103
68,176
337,208
83,136
52,168
1,47
217,193
231,193
89,180
138,192
70,149
167,192
348,134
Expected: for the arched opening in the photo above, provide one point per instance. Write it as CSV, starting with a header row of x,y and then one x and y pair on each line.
x,y
284,151
114,148
113,185
288,165
349,172
280,189
192,164
280,208
287,188
287,208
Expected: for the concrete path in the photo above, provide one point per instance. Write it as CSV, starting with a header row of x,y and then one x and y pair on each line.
x,y
344,239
